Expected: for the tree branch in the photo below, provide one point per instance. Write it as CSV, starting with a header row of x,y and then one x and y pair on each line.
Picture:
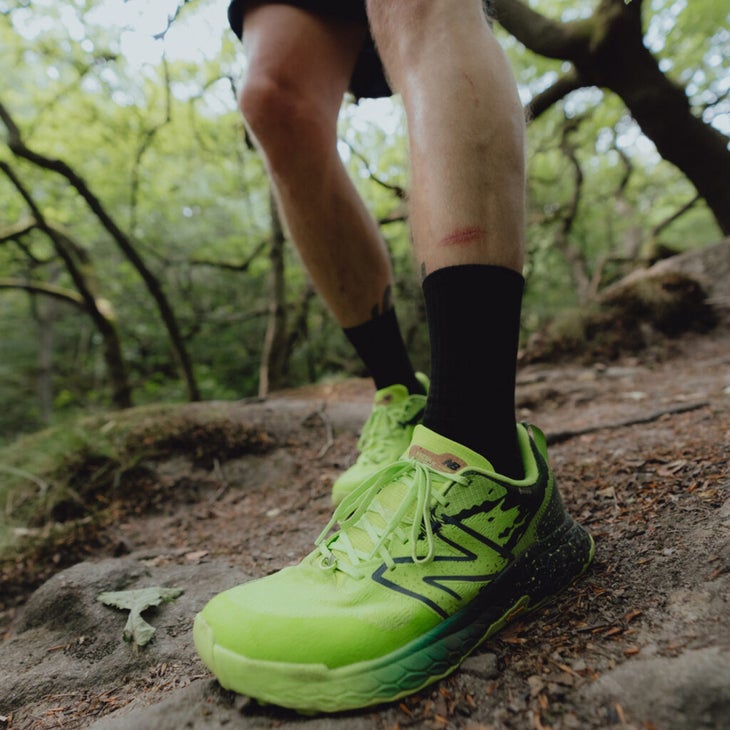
x,y
397,215
170,20
147,139
228,266
540,103
559,437
397,190
549,38
40,287
662,225
609,51
21,228
570,211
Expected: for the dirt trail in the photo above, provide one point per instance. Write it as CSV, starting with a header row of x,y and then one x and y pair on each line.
x,y
643,641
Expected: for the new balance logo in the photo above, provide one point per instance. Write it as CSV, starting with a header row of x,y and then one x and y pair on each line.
x,y
436,461
470,552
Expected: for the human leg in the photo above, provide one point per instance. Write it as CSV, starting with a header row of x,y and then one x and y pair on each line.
x,y
466,133
290,100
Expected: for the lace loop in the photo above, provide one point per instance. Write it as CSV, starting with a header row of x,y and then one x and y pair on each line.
x,y
368,529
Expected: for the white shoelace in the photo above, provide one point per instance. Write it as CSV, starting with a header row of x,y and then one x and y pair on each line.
x,y
369,527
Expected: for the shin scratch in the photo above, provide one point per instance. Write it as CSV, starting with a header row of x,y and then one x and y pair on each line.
x,y
462,237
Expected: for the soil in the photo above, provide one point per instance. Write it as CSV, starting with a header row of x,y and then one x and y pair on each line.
x,y
640,450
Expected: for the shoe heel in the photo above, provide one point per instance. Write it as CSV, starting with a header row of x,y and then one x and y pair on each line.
x,y
553,563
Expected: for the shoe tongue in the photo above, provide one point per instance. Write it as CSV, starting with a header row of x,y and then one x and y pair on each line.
x,y
391,394
443,454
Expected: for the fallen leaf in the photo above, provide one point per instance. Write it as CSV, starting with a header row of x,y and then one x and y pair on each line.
x,y
631,615
613,631
136,601
196,556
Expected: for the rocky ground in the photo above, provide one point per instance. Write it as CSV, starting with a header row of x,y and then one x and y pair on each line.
x,y
640,448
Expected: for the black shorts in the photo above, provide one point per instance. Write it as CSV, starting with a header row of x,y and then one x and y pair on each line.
x,y
368,78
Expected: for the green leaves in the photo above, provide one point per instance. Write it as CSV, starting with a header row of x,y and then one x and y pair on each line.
x,y
137,630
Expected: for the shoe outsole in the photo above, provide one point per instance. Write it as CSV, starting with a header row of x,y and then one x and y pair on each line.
x,y
540,573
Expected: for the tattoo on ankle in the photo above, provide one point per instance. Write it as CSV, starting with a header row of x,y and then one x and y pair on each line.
x,y
385,304
423,270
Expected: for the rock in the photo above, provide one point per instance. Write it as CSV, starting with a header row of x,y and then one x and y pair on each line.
x,y
65,638
689,292
483,665
710,265
687,692
666,300
203,705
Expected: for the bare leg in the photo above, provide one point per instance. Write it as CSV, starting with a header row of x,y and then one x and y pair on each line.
x,y
467,152
299,70
466,131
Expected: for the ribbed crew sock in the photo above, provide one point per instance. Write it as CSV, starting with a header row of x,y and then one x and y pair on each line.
x,y
474,319
380,345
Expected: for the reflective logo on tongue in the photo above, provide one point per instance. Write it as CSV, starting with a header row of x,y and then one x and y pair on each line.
x,y
443,462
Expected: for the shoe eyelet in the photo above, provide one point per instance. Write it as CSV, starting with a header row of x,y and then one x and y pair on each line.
x,y
327,562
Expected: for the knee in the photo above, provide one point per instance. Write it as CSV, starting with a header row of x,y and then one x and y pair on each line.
x,y
280,113
266,104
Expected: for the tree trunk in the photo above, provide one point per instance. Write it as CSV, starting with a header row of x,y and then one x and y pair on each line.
x,y
45,313
572,254
276,352
607,50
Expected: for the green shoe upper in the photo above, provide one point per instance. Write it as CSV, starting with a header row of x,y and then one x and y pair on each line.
x,y
385,435
418,547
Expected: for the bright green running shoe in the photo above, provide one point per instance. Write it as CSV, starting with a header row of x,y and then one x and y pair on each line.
x,y
434,553
385,435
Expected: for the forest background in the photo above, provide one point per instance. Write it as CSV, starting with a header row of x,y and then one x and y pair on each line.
x,y
142,260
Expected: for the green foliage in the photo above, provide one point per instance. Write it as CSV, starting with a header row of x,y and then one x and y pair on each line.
x,y
35,473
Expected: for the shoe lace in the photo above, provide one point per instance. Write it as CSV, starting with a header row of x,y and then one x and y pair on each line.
x,y
376,438
369,525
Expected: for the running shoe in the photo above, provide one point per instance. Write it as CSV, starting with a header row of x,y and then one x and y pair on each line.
x,y
421,563
385,435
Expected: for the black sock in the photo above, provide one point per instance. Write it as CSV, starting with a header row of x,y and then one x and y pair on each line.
x,y
380,345
474,318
